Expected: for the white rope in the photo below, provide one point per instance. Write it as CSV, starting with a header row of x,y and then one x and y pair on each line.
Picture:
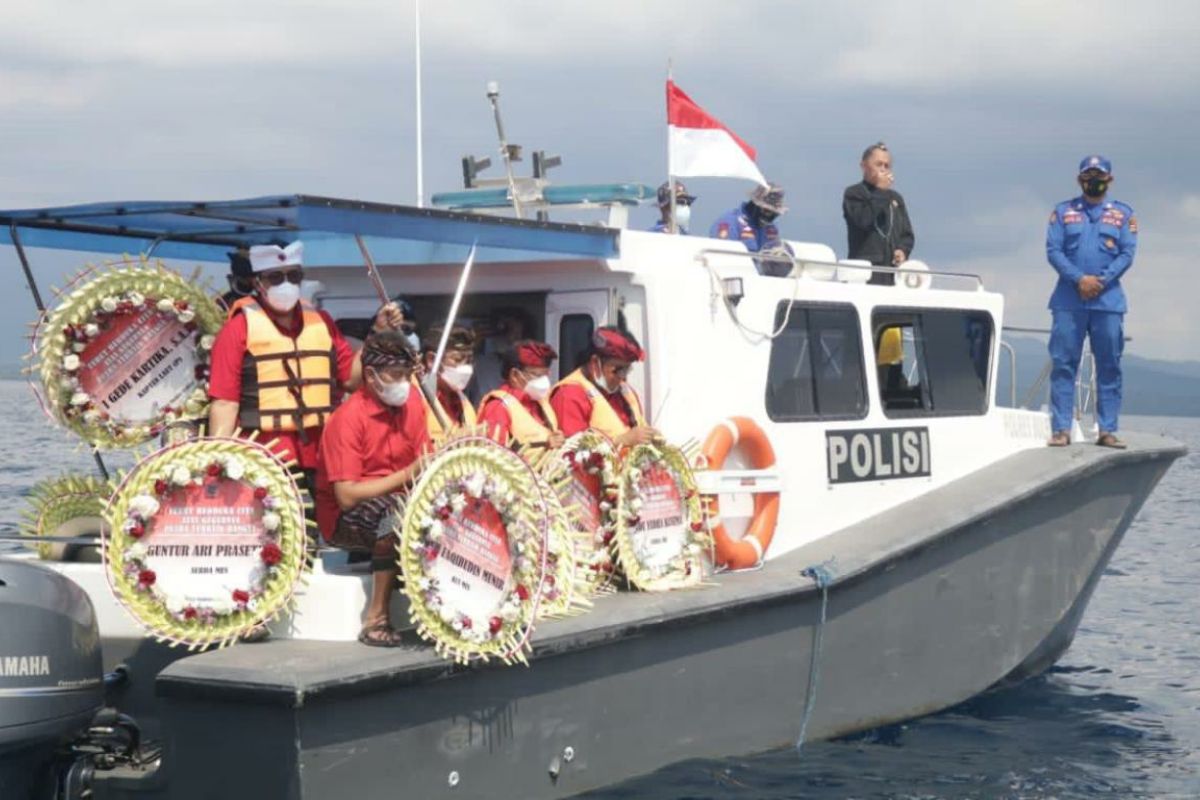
x,y
750,334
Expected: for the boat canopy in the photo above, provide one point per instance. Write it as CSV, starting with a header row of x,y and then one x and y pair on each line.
x,y
207,231
579,196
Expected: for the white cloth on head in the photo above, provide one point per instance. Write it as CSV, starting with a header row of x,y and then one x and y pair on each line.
x,y
264,257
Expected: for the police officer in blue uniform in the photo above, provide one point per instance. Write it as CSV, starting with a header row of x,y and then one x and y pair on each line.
x,y
1090,242
683,208
753,222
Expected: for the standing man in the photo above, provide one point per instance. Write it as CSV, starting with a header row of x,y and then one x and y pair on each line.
x,y
520,409
369,453
753,222
1090,242
877,225
458,366
278,364
683,209
597,396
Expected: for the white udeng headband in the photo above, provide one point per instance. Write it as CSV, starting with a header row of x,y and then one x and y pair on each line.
x,y
264,257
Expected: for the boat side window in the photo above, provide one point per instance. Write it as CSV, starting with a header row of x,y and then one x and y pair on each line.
x,y
816,367
932,361
574,338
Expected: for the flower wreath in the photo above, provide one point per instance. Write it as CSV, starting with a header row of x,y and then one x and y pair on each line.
x,y
131,516
466,471
57,502
593,452
567,581
99,299
686,568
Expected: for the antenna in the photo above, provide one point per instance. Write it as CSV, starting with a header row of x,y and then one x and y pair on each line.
x,y
511,153
420,136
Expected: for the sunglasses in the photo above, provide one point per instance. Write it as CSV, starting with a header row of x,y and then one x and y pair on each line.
x,y
277,277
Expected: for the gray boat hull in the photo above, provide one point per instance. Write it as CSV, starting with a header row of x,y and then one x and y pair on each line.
x,y
931,603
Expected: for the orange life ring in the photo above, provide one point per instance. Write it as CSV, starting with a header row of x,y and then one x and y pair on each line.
x,y
743,433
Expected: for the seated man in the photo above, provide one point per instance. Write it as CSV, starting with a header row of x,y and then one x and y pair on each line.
x,y
519,410
596,395
369,452
453,377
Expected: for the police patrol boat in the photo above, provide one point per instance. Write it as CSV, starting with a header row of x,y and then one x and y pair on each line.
x,y
899,541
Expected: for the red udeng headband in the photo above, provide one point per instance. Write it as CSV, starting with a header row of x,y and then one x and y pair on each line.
x,y
613,344
536,354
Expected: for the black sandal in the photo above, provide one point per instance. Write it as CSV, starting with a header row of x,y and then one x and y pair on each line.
x,y
1060,439
1110,440
380,635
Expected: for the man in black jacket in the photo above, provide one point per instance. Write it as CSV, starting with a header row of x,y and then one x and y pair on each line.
x,y
877,223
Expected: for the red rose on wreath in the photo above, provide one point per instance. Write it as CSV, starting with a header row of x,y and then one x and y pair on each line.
x,y
271,554
190,612
495,624
137,529
522,592
697,526
241,596
260,493
214,469
146,578
160,486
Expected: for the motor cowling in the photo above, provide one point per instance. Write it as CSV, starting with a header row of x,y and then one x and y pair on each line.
x,y
51,672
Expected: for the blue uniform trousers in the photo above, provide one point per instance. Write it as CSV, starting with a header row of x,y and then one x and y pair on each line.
x,y
1106,331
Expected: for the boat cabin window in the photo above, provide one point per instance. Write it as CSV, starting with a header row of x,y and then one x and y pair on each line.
x,y
574,338
816,367
932,362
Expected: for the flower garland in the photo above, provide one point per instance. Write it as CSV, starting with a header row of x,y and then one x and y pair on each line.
x,y
593,453
566,584
157,480
465,475
687,567
104,298
58,502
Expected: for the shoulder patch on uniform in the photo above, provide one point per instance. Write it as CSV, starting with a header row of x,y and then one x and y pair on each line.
x,y
723,230
1053,217
1133,224
747,234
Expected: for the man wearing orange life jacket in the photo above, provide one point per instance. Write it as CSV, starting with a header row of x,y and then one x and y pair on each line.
x,y
596,395
457,368
519,410
279,365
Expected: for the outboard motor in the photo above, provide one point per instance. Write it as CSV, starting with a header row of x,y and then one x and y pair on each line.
x,y
51,685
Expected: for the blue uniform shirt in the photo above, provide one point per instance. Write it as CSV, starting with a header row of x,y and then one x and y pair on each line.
x,y
734,224
1090,239
661,227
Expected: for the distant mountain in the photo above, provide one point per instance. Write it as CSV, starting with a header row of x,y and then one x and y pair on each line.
x,y
1152,387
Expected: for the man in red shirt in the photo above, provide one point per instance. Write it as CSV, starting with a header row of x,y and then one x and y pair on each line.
x,y
370,452
596,395
519,409
279,365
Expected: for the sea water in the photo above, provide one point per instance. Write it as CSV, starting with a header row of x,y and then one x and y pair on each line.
x,y
1118,716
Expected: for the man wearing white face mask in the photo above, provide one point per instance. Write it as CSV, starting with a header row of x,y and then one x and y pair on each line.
x,y
278,364
369,452
683,209
519,410
458,366
597,395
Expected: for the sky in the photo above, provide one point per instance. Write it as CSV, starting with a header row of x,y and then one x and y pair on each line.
x,y
987,109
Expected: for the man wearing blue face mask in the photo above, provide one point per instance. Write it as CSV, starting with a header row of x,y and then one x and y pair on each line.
x,y
1090,242
753,222
683,209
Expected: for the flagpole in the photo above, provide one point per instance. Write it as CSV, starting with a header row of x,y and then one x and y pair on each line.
x,y
420,134
670,177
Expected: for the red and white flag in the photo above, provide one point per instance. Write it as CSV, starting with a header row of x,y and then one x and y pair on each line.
x,y
698,145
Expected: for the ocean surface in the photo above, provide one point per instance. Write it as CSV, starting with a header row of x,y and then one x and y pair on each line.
x,y
1119,716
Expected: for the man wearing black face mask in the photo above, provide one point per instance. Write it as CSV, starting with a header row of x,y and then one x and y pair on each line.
x,y
753,222
1090,242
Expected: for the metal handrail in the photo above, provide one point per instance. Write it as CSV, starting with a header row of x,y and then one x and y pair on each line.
x,y
802,262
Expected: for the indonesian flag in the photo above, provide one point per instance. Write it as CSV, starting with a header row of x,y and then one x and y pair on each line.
x,y
698,145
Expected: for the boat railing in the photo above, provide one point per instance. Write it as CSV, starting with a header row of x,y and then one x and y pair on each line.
x,y
813,269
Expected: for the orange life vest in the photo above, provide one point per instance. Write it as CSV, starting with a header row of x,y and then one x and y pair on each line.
x,y
604,418
287,384
431,417
525,428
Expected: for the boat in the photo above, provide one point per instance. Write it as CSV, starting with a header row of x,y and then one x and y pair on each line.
x,y
928,545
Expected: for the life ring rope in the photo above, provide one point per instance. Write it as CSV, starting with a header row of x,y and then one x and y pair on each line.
x,y
745,434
